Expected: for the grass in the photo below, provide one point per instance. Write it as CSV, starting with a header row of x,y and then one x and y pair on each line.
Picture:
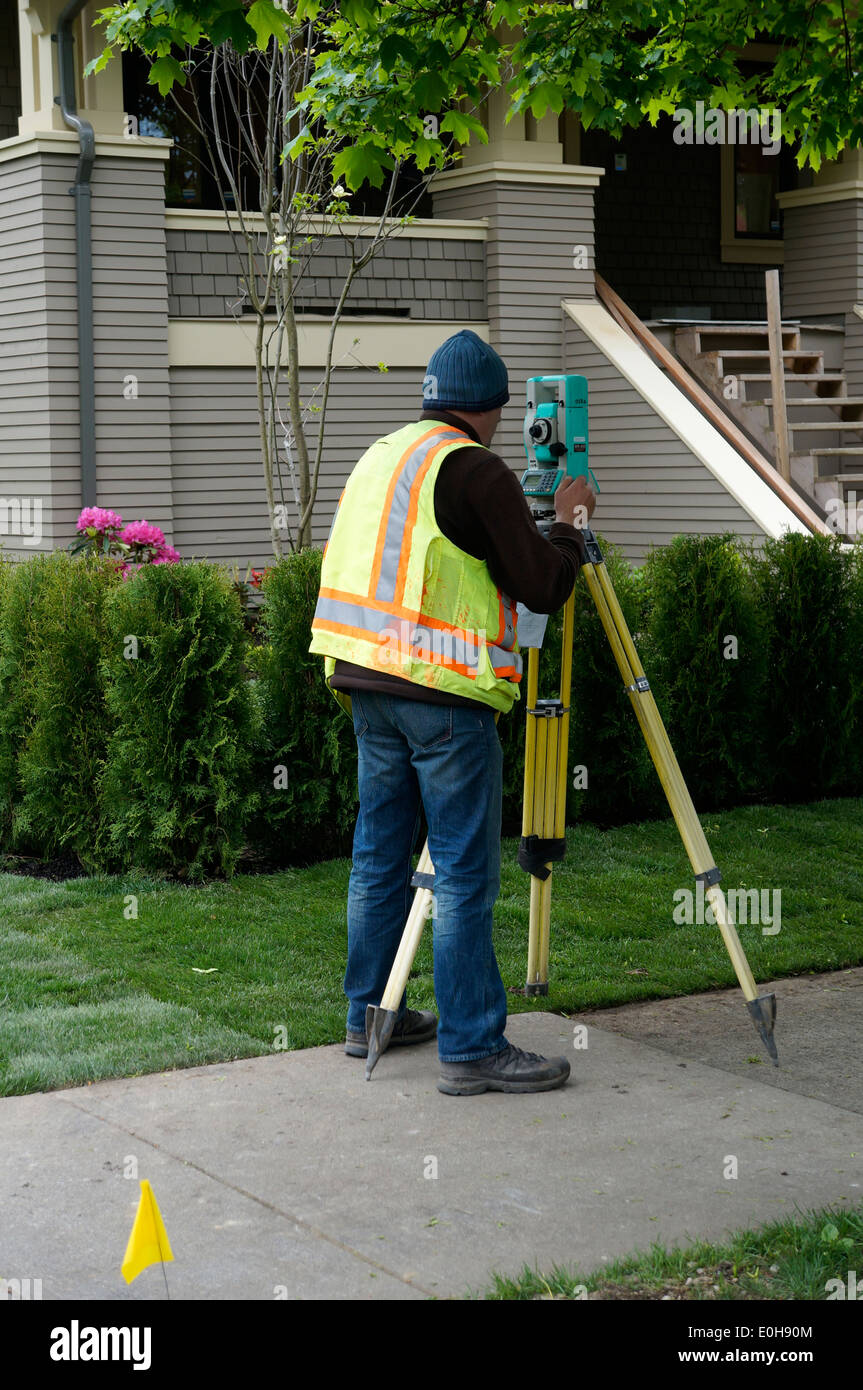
x,y
789,1259
113,977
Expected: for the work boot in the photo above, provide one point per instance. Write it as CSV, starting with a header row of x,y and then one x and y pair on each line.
x,y
417,1026
509,1070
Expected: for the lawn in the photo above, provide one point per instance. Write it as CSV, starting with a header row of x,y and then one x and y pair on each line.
x,y
796,1258
120,976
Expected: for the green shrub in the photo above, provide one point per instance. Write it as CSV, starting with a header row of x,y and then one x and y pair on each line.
x,y
307,756
177,785
812,599
21,585
604,737
63,752
708,665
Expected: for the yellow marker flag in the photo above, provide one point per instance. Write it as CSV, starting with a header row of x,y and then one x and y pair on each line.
x,y
148,1243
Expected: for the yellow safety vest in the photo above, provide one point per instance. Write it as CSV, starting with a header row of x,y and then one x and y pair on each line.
x,y
396,595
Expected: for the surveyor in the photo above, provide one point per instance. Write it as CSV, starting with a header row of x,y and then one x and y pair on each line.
x,y
431,548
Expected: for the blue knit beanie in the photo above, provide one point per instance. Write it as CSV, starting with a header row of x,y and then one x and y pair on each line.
x,y
465,372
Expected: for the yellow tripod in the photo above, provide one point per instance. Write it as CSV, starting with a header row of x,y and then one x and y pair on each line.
x,y
545,783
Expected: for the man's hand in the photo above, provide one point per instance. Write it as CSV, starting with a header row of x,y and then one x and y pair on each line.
x,y
574,502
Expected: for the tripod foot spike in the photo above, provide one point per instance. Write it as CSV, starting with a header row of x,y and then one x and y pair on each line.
x,y
379,1029
762,1011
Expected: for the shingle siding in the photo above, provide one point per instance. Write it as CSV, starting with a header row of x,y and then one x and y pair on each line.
x,y
418,277
10,72
658,225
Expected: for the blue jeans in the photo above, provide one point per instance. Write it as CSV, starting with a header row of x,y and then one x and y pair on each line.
x,y
449,759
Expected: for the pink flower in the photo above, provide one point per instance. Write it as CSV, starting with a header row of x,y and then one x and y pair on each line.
x,y
99,519
142,533
167,555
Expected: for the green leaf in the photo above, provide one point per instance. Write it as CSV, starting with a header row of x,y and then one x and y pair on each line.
x,y
359,13
545,95
463,127
268,22
393,47
358,164
97,64
295,147
429,91
230,26
164,72
425,150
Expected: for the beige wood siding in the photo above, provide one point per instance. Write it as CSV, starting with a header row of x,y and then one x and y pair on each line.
x,y
39,436
220,506
130,313
532,232
823,258
38,382
854,354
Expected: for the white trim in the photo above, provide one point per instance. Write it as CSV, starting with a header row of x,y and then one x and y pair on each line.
x,y
66,142
397,342
510,171
824,193
702,439
210,220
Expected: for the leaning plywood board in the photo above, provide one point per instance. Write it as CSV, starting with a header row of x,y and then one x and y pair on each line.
x,y
703,440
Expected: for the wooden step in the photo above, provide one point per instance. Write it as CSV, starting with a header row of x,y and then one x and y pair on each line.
x,y
834,401
787,354
746,326
855,478
824,425
825,377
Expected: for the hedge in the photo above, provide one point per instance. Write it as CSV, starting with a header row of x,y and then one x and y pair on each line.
x,y
306,757
142,725
177,788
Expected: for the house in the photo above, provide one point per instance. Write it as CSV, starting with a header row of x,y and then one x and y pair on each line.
x,y
681,230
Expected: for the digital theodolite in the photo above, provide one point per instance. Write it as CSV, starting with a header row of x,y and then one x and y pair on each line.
x,y
556,441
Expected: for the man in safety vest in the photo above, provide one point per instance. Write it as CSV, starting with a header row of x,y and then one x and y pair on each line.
x,y
431,548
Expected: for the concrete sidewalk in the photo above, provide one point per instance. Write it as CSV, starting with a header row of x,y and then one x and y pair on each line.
x,y
289,1175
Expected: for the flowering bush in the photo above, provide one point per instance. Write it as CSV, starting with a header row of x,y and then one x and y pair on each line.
x,y
102,532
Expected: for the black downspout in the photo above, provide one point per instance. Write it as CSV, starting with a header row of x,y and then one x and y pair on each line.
x,y
83,247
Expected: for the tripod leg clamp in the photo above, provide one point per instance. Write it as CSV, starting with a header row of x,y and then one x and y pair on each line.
x,y
423,881
534,854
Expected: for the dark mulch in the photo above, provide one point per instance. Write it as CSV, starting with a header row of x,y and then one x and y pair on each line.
x,y
65,866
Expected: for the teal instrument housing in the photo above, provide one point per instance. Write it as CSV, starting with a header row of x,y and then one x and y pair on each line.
x,y
555,435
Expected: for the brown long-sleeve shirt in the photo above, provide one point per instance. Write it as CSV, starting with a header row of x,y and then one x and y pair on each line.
x,y
480,507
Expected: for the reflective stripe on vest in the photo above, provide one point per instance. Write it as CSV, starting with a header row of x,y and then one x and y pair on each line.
x,y
399,515
436,641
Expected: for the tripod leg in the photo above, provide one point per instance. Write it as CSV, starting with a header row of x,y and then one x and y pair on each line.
x,y
545,781
762,1008
380,1019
